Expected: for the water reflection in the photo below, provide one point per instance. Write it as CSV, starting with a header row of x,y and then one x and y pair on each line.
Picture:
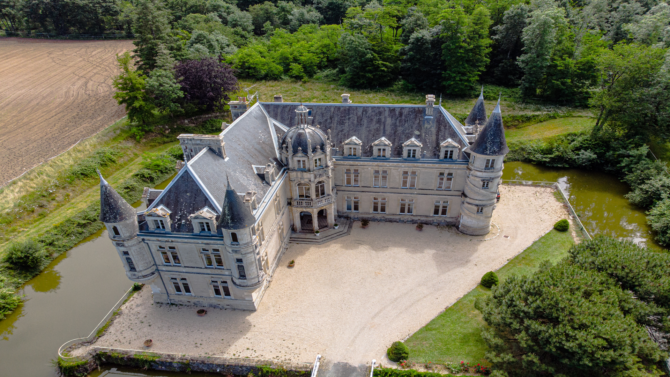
x,y
598,199
125,372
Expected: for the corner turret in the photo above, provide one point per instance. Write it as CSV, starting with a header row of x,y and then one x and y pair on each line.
x,y
476,119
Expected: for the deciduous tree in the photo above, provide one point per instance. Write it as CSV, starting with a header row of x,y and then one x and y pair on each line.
x,y
206,83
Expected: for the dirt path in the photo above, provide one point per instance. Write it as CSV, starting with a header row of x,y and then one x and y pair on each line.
x,y
347,300
53,94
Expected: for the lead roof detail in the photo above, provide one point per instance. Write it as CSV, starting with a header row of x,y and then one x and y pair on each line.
x,y
113,208
300,135
491,140
235,214
478,113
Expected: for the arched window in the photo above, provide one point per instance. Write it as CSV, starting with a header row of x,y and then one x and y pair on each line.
x,y
303,191
320,189
233,237
116,231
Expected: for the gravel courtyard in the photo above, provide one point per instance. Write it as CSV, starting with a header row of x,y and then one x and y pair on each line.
x,y
347,300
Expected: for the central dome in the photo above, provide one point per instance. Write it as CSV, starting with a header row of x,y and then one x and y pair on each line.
x,y
300,135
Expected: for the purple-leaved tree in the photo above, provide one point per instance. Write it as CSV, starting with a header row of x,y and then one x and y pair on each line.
x,y
206,83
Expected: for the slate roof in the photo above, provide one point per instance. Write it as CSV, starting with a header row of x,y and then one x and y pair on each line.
x,y
113,208
398,123
250,140
491,140
235,214
478,112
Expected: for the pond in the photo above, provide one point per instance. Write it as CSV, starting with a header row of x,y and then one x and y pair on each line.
x,y
598,199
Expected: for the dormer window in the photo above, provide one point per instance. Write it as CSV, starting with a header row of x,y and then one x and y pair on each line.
x,y
233,238
318,162
204,221
159,224
352,147
158,219
301,163
412,148
449,150
205,226
490,163
382,148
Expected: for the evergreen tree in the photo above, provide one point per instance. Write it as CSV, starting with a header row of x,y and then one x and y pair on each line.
x,y
162,85
130,91
152,29
422,65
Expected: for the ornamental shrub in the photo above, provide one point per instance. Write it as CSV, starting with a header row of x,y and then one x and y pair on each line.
x,y
398,351
27,255
562,225
489,279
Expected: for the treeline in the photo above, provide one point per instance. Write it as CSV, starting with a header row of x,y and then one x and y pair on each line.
x,y
551,50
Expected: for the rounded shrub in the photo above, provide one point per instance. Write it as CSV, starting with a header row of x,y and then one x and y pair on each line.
x,y
27,255
562,225
489,279
398,352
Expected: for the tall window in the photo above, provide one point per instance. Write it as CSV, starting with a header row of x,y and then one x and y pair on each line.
x,y
485,185
170,256
159,224
181,286
490,163
480,210
448,154
444,181
356,178
320,189
379,205
302,164
409,179
304,191
131,265
347,177
212,258
411,153
221,289
407,206
115,230
205,226
240,269
317,162
441,208
351,151
352,204
380,178
233,238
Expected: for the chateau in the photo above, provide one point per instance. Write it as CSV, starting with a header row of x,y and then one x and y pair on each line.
x,y
214,236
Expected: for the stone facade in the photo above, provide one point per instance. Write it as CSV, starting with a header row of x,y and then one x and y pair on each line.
x,y
216,234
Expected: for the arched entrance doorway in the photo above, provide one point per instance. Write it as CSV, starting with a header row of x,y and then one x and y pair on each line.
x,y
322,217
306,224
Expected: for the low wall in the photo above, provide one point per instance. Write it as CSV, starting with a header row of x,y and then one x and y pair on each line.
x,y
139,359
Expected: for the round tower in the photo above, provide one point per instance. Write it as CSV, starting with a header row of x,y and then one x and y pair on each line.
x,y
484,173
237,223
120,219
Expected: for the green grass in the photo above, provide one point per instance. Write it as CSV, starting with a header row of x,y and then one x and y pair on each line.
x,y
455,335
550,128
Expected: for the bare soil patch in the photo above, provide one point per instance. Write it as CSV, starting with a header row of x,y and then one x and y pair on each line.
x,y
347,300
53,94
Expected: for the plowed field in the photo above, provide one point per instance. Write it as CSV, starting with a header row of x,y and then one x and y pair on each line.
x,y
53,94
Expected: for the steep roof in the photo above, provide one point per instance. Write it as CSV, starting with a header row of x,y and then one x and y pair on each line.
x,y
113,208
235,214
491,140
398,123
478,112
250,141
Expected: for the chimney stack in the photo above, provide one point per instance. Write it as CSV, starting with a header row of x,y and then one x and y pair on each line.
x,y
430,102
345,98
279,98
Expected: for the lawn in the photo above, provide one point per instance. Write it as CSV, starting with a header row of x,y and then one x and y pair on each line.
x,y
454,335
550,128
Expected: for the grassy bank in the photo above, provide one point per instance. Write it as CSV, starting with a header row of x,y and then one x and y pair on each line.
x,y
455,335
550,128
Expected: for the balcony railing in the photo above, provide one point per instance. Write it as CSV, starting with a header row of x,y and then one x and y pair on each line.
x,y
308,202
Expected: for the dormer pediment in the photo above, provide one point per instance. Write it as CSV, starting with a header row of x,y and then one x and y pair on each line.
x,y
160,211
382,142
353,141
412,143
204,214
449,143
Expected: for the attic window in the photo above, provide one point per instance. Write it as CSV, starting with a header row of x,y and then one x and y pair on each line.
x,y
159,224
411,153
116,231
381,152
205,226
448,154
233,238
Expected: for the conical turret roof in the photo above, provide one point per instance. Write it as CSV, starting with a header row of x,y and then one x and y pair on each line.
x,y
478,112
235,214
113,208
491,140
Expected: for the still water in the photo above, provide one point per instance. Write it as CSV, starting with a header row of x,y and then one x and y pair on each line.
x,y
597,197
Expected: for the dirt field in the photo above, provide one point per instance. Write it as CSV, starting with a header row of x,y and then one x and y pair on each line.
x,y
53,94
347,300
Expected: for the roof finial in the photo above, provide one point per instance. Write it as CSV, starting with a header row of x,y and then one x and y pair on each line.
x,y
102,180
481,95
497,109
440,104
228,182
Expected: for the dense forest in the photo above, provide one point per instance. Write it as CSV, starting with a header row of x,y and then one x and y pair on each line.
x,y
564,52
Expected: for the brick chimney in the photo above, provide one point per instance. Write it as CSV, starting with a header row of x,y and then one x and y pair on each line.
x,y
345,98
279,98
